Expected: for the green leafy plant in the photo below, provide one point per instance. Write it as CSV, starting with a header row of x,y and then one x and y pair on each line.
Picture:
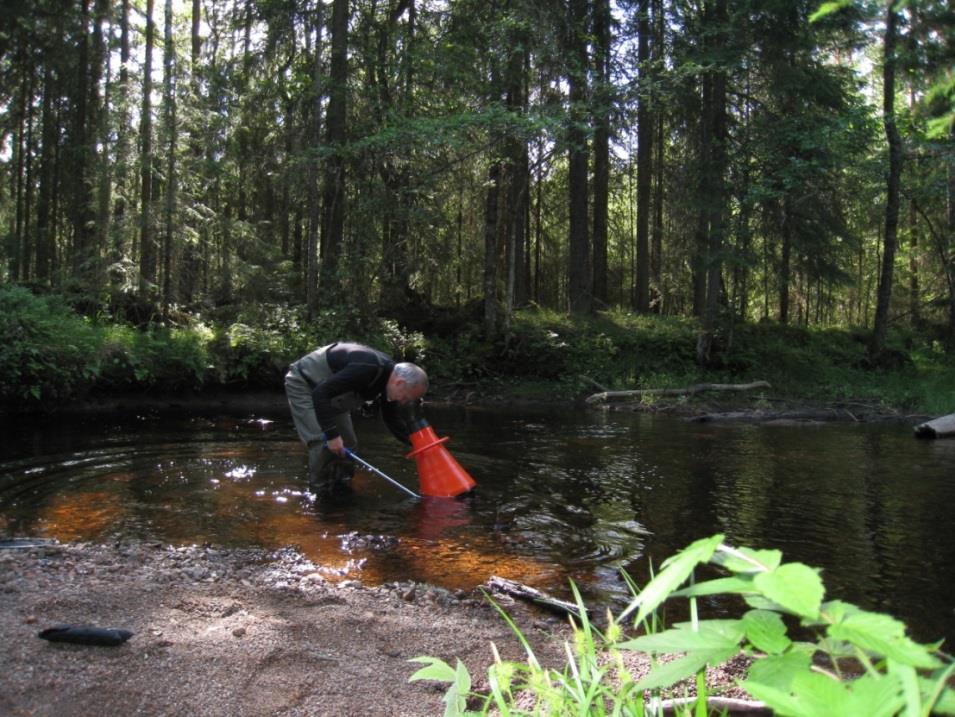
x,y
853,662
47,351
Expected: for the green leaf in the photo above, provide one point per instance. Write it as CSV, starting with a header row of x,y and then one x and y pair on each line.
x,y
711,635
669,673
759,602
817,695
935,690
823,696
781,702
778,671
676,570
940,127
909,683
456,696
833,611
749,560
875,696
883,635
828,8
794,586
717,587
437,669
766,631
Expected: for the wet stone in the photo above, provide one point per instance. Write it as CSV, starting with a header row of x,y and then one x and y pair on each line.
x,y
356,541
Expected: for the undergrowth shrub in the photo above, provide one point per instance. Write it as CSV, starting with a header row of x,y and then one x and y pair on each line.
x,y
854,662
47,351
157,358
256,348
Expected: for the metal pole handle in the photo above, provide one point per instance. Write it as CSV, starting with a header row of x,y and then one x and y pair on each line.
x,y
351,454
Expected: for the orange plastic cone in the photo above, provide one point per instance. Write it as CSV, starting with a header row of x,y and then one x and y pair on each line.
x,y
439,475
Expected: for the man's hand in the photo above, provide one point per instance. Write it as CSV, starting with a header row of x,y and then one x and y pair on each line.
x,y
337,446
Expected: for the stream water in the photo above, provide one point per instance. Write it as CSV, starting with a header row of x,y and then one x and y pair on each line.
x,y
562,494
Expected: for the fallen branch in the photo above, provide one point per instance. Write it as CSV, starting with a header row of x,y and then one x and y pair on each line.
x,y
598,386
526,592
611,396
764,416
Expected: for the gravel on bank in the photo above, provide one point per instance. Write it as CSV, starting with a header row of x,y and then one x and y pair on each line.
x,y
235,632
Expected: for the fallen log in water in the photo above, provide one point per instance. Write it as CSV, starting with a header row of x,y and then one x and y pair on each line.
x,y
937,428
610,396
779,417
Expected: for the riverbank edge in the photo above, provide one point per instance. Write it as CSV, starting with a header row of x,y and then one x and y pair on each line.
x,y
237,632
706,407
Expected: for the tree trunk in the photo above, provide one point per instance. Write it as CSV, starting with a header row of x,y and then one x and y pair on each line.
x,y
644,161
914,290
45,241
715,115
333,205
538,223
785,266
147,242
314,206
102,58
701,237
881,323
396,272
83,147
656,253
169,106
517,182
490,247
120,198
949,256
189,265
28,247
579,255
19,181
601,119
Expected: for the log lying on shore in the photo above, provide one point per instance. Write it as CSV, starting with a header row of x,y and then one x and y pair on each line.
x,y
526,592
943,427
621,396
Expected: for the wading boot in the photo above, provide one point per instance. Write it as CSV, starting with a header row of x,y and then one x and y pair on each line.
x,y
333,479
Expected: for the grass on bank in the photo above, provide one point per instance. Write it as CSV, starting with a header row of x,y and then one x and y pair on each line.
x,y
854,662
50,353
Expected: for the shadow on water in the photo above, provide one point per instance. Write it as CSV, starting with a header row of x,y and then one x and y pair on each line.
x,y
561,495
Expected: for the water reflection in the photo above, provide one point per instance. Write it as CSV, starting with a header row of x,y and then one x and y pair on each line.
x,y
560,495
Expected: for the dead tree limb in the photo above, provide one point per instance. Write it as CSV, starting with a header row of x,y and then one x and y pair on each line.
x,y
526,592
598,386
622,396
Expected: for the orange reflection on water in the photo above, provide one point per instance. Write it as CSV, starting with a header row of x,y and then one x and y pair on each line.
x,y
432,549
120,477
459,565
318,541
80,516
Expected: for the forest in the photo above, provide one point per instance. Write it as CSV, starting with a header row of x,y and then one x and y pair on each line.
x,y
727,163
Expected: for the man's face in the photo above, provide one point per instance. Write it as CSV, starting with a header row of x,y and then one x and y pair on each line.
x,y
400,391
